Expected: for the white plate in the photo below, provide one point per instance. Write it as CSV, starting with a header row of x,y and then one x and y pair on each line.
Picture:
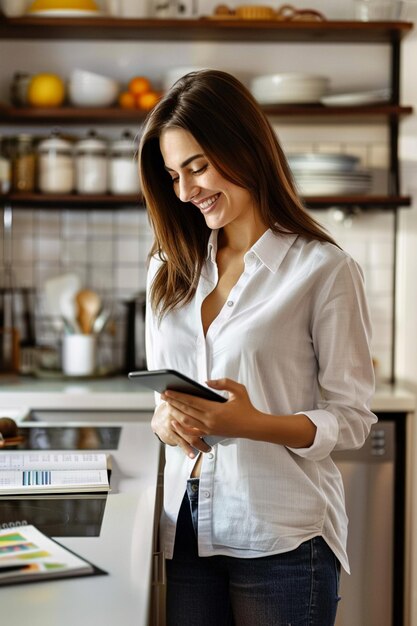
x,y
64,13
318,162
356,99
328,188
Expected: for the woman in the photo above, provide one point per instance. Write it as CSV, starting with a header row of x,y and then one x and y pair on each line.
x,y
247,292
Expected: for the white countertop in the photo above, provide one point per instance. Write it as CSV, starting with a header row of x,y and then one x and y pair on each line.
x,y
122,394
123,549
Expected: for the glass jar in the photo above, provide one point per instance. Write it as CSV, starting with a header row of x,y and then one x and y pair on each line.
x,y
56,165
5,169
91,165
23,164
123,167
19,88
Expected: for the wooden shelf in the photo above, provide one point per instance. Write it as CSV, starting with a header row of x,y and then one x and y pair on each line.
x,y
108,201
116,115
202,29
68,201
69,115
364,202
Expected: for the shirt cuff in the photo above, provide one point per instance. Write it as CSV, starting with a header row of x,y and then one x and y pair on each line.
x,y
327,435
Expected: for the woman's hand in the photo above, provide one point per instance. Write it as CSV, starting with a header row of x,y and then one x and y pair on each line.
x,y
193,416
161,425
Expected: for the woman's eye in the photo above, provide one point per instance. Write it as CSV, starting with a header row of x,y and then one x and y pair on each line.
x,y
201,169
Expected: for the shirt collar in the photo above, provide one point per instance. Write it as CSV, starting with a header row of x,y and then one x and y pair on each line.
x,y
270,249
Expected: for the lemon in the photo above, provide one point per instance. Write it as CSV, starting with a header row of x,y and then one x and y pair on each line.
x,y
46,90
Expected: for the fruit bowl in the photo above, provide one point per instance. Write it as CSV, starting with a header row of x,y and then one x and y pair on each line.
x,y
88,89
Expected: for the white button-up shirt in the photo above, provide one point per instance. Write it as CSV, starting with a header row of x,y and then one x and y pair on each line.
x,y
295,331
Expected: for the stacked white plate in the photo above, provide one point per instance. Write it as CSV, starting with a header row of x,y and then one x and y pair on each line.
x,y
319,174
358,98
289,88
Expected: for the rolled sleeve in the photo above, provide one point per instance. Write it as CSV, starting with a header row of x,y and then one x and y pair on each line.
x,y
341,333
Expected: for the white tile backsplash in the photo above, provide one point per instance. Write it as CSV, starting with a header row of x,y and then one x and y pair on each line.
x,y
108,249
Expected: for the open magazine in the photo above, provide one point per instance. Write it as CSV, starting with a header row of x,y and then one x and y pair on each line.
x,y
28,555
49,471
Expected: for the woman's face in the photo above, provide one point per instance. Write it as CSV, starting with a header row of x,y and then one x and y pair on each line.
x,y
195,180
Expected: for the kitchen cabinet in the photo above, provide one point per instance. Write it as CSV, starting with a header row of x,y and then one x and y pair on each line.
x,y
206,29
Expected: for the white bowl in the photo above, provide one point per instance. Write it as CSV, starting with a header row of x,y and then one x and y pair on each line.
x,y
287,88
88,89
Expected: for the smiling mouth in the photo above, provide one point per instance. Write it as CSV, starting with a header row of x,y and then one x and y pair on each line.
x,y
206,204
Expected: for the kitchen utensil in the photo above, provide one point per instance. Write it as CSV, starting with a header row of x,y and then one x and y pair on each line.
x,y
89,89
79,354
54,288
89,305
69,310
101,321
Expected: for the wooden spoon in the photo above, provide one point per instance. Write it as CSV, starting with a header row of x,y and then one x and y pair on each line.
x,y
89,304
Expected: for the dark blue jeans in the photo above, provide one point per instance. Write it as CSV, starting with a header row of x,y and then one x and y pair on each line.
x,y
297,588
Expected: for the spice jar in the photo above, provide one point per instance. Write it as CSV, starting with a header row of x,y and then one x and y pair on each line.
x,y
56,165
23,164
91,165
5,170
19,88
124,173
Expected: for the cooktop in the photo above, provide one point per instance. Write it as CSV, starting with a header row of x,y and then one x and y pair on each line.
x,y
60,515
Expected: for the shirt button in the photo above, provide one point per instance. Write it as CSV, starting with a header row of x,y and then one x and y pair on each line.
x,y
210,455
230,303
207,494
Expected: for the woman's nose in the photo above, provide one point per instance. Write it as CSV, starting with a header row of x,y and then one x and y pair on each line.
x,y
187,189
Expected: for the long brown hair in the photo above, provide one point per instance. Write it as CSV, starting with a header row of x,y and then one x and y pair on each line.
x,y
239,142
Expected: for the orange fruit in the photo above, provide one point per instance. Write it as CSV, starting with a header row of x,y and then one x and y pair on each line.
x,y
127,100
139,84
46,90
146,101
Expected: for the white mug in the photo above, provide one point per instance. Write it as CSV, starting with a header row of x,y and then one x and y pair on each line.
x,y
79,354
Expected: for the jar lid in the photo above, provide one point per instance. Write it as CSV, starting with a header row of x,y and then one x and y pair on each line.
x,y
54,142
91,144
126,144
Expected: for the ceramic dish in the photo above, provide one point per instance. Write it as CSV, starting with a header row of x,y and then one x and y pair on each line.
x,y
319,162
64,13
322,184
356,99
288,88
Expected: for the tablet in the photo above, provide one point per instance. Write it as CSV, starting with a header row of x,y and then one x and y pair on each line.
x,y
161,380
